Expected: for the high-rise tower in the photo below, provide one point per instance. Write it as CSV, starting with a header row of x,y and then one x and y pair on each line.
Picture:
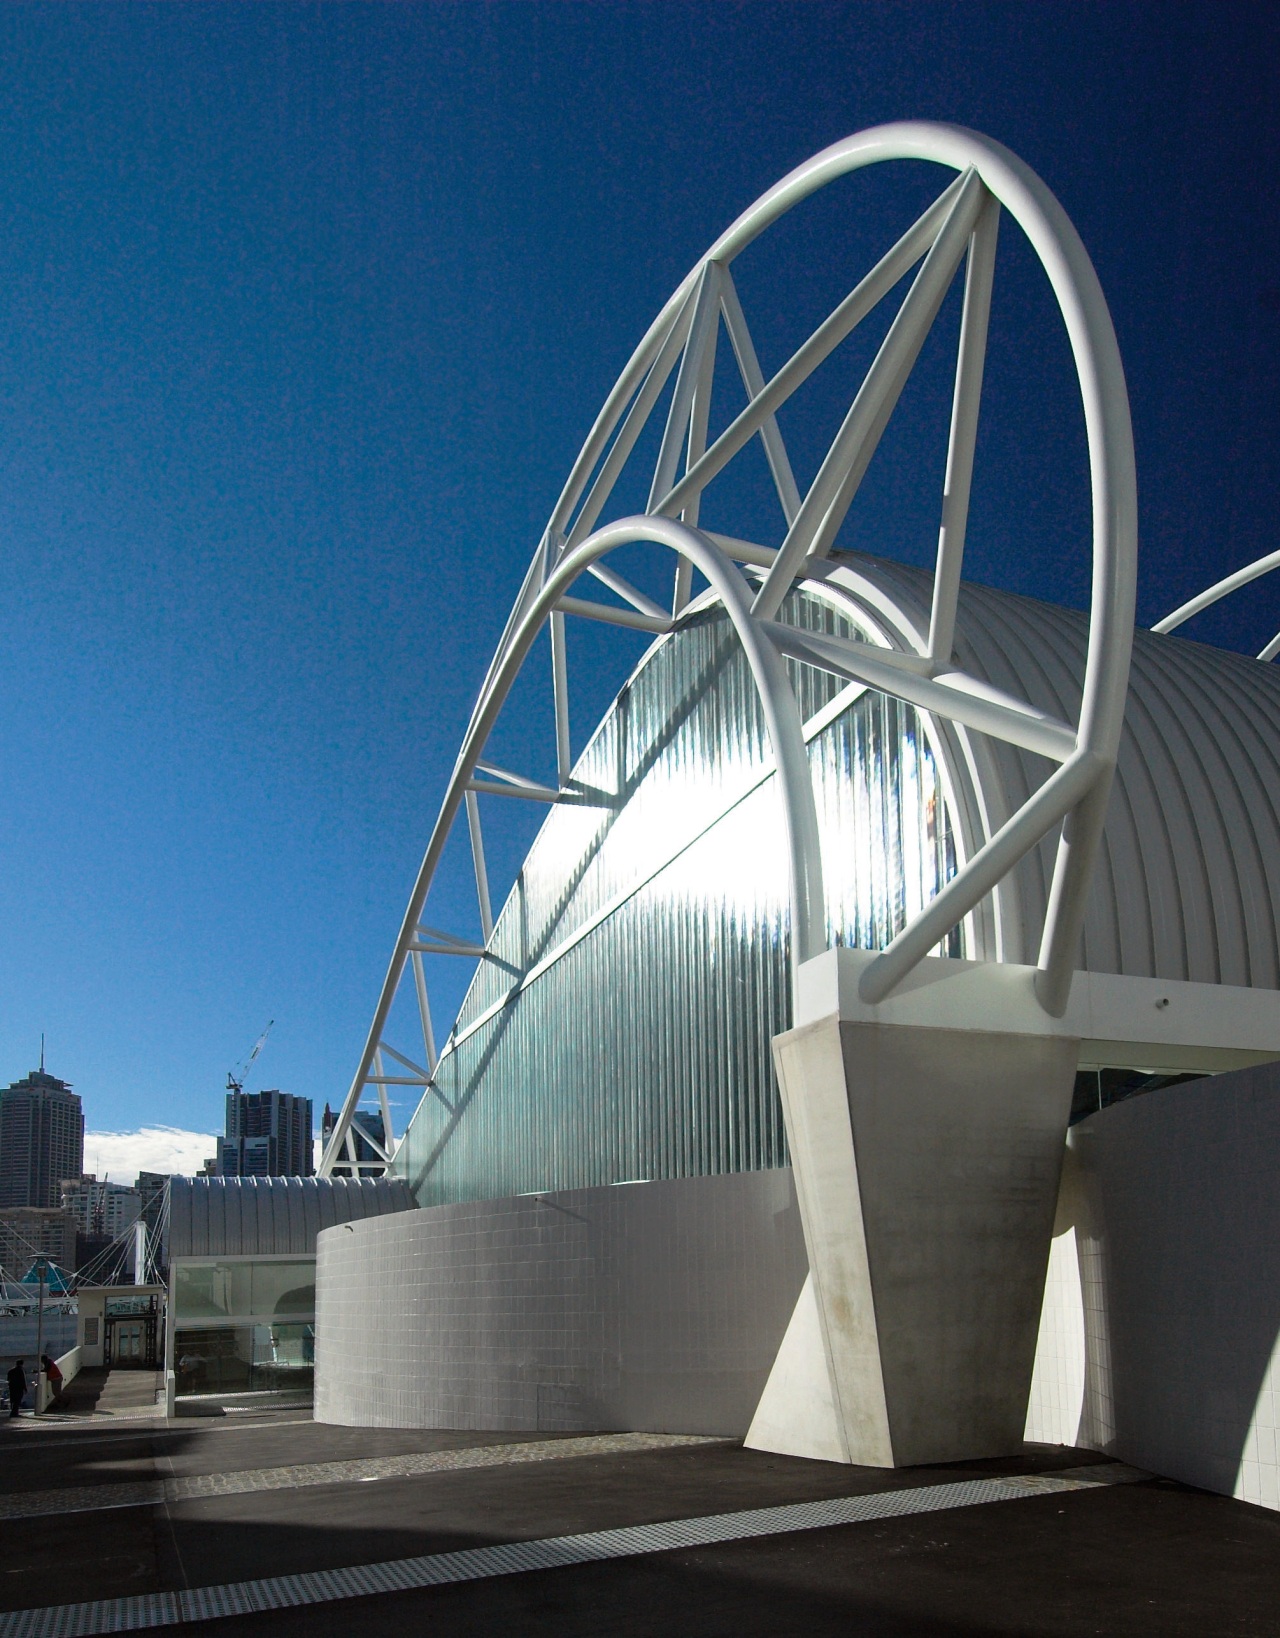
x,y
268,1135
41,1140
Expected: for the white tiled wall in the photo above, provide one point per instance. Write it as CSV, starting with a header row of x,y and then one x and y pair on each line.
x,y
660,1306
1259,1476
1160,1337
1057,1384
647,1307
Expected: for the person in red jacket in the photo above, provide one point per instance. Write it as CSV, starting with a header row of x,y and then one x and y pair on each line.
x,y
52,1375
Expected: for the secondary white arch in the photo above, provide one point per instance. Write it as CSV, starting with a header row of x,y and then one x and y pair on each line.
x,y
1223,588
782,720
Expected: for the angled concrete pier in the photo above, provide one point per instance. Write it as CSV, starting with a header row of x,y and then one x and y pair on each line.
x,y
926,1136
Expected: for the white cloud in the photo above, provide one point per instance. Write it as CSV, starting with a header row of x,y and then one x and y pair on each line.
x,y
120,1156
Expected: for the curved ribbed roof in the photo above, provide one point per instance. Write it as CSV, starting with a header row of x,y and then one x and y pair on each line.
x,y
1188,879
271,1216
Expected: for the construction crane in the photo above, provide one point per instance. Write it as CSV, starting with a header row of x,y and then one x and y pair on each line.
x,y
235,1083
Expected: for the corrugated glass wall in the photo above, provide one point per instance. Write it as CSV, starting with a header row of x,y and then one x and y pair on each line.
x,y
623,1032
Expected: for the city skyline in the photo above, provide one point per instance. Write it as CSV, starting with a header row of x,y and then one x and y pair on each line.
x,y
121,1156
301,344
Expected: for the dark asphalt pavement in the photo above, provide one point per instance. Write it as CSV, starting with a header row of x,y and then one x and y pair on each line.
x,y
1147,1558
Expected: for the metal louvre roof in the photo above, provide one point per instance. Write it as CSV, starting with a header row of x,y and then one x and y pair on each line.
x,y
1188,879
264,1216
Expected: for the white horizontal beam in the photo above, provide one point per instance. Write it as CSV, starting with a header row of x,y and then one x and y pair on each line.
x,y
519,783
527,793
952,694
587,610
408,1063
743,551
437,936
626,591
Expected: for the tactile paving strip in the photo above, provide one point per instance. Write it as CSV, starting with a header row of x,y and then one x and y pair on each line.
x,y
516,1558
27,1504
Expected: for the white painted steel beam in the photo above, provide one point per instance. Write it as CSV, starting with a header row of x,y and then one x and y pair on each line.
x,y
744,350
953,695
475,951
970,364
520,781
479,865
625,590
560,696
701,341
522,793
424,1010
408,1063
631,618
823,508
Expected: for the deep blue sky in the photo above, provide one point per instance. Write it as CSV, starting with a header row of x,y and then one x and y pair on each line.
x,y
304,314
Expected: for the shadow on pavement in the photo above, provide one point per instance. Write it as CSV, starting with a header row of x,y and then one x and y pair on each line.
x,y
1139,1559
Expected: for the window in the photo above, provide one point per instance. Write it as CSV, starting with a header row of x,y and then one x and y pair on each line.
x,y
249,1289
227,1359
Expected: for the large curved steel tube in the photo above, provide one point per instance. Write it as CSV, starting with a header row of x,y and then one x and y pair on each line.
x,y
962,222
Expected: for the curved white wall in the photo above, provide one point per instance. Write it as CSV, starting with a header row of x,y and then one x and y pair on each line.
x,y
653,1307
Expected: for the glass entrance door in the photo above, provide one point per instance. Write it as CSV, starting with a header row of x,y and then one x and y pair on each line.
x,y
130,1342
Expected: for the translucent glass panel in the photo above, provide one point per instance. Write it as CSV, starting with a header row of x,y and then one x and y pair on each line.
x,y
887,843
244,1359
644,948
686,734
241,1289
211,1289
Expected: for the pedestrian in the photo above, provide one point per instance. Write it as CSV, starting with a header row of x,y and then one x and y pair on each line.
x,y
17,1387
53,1376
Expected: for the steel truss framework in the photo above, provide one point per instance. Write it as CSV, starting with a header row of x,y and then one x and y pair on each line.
x,y
751,581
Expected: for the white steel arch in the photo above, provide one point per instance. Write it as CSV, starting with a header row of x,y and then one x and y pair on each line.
x,y
1223,588
961,225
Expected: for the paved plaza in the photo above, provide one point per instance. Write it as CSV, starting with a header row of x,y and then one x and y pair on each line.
x,y
266,1521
